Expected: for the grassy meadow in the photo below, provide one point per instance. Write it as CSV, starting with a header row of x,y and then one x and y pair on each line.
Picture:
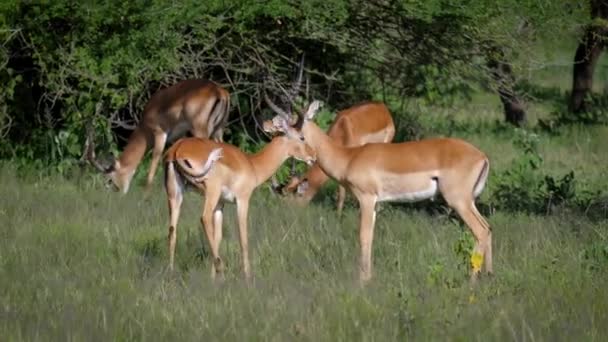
x,y
78,262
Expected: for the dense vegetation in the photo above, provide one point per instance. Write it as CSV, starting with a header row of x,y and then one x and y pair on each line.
x,y
65,63
79,262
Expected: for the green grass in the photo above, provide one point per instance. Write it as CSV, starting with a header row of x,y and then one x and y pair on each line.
x,y
78,262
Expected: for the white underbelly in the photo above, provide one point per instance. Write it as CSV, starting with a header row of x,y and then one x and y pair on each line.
x,y
400,195
227,195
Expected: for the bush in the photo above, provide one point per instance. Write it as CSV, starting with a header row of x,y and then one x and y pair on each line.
x,y
525,187
64,63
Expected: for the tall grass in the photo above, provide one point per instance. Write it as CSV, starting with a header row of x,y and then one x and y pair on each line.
x,y
80,263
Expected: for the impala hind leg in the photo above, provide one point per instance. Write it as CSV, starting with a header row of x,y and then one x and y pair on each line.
x,y
467,211
212,197
174,189
159,145
487,261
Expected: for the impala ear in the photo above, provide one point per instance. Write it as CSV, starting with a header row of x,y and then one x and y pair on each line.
x,y
312,109
302,187
268,127
278,124
284,125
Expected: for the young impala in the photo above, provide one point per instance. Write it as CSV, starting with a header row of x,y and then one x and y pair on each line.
x,y
409,171
358,125
198,106
225,174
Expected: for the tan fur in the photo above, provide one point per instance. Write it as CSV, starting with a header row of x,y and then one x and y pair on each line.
x,y
364,123
198,106
233,177
405,171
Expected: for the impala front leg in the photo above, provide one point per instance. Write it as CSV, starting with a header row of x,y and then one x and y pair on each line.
x,y
366,237
341,197
242,207
157,151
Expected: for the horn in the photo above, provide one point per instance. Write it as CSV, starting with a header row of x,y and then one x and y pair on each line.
x,y
89,146
298,82
289,96
276,108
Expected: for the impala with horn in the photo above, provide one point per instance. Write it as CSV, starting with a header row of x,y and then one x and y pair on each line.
x,y
198,106
408,171
225,174
368,122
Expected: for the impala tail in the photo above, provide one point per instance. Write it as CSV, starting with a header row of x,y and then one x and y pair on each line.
x,y
194,170
481,180
219,118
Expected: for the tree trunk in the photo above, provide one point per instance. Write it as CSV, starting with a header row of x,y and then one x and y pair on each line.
x,y
587,55
503,75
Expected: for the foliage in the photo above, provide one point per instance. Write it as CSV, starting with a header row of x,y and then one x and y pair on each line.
x,y
526,187
65,63
595,114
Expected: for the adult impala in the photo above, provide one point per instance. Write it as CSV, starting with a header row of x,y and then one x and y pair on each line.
x,y
409,171
231,177
364,123
198,106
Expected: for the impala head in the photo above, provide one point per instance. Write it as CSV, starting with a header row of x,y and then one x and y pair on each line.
x,y
293,138
296,186
284,121
118,177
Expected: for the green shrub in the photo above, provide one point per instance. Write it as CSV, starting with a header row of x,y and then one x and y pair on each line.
x,y
526,187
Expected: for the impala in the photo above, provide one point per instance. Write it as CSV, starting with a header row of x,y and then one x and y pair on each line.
x,y
198,106
409,171
358,125
228,175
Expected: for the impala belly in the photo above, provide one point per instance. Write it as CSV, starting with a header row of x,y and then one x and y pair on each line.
x,y
179,130
408,188
227,194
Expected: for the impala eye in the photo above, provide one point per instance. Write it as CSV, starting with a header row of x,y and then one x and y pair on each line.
x,y
301,138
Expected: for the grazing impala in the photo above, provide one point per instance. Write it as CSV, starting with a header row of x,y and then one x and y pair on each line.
x,y
355,126
228,175
409,171
198,106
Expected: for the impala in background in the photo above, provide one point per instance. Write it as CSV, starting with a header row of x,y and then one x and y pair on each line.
x,y
225,174
364,123
409,171
198,106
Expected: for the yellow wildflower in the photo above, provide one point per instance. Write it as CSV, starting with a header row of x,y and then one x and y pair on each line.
x,y
476,261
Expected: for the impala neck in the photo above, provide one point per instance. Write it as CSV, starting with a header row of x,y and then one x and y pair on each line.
x,y
331,157
134,151
269,159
